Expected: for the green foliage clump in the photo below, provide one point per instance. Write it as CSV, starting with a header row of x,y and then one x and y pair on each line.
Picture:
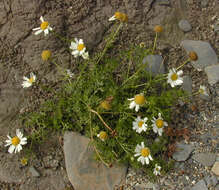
x,y
97,101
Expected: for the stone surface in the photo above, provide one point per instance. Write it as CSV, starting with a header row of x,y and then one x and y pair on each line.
x,y
34,172
205,158
10,171
187,84
204,3
212,74
183,151
215,168
200,186
217,187
211,181
206,55
184,25
154,64
83,171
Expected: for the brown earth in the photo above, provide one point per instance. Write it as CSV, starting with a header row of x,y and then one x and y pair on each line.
x,y
20,49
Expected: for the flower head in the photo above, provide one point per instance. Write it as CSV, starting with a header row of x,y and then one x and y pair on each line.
x,y
137,101
16,142
203,90
119,16
46,54
140,124
102,135
44,27
69,73
174,78
157,170
29,81
24,161
158,28
144,153
158,124
105,105
78,49
193,56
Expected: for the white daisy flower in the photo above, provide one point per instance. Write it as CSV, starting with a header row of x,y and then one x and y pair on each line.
x,y
144,154
140,124
78,49
44,27
158,124
16,142
119,16
137,101
69,73
28,82
157,170
102,135
203,90
174,77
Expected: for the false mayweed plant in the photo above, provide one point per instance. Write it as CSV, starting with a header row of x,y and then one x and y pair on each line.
x,y
122,108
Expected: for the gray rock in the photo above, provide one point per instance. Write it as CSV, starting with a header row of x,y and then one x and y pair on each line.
x,y
49,162
187,84
212,74
210,181
156,187
184,25
163,2
206,158
200,186
204,3
217,187
216,28
183,151
34,172
154,64
206,55
215,168
83,171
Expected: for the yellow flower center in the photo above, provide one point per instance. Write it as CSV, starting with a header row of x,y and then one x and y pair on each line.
x,y
105,105
174,76
31,80
103,135
44,25
121,16
201,91
139,99
80,47
140,123
158,29
46,54
24,161
159,123
145,152
15,141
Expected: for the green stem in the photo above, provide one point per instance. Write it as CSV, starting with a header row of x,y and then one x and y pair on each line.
x,y
155,41
61,38
109,42
182,64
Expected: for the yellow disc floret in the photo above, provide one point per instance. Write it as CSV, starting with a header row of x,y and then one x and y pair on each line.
x,y
140,123
158,29
105,105
44,25
139,99
103,135
193,55
159,123
46,54
121,16
31,80
15,141
145,152
80,47
174,77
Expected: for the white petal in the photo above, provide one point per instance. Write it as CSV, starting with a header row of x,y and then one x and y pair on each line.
x,y
25,78
46,32
76,40
130,99
38,28
132,105
147,160
142,144
38,32
137,154
11,149
80,41
50,28
73,45
180,72
137,107
150,157
112,18
41,18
